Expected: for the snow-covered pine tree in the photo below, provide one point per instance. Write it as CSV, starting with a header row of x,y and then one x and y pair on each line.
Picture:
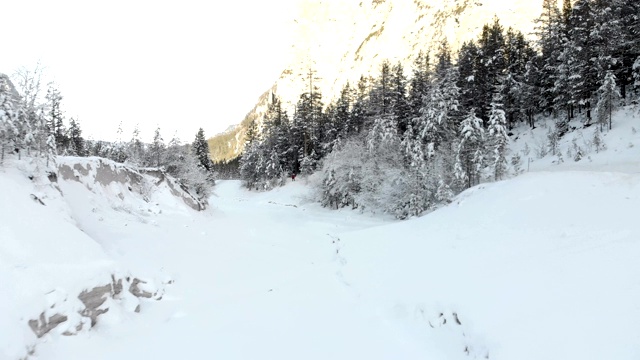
x,y
583,71
135,148
50,153
76,143
156,150
55,119
607,95
499,137
470,154
200,149
9,110
399,103
436,123
419,83
549,32
119,151
468,80
492,64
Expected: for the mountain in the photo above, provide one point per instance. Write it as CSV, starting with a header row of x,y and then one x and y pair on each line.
x,y
339,41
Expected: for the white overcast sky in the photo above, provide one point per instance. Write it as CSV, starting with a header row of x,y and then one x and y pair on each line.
x,y
179,65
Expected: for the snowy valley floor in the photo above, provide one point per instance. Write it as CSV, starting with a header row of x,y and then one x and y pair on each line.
x,y
541,266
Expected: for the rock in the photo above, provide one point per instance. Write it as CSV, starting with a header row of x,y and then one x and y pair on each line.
x,y
93,299
42,326
136,291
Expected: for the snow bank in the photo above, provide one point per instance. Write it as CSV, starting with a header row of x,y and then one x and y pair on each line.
x,y
543,266
57,278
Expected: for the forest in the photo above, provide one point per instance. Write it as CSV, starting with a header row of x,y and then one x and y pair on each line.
x,y
407,141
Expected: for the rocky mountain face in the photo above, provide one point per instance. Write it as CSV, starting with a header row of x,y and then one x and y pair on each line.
x,y
339,41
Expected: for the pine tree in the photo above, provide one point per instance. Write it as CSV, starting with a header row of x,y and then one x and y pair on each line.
x,y
135,148
492,64
607,95
200,149
119,152
436,123
470,154
157,149
399,102
9,110
75,140
583,58
55,119
419,83
549,32
381,96
443,60
471,95
499,137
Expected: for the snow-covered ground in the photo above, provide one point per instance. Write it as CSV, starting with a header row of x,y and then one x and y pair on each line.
x,y
542,266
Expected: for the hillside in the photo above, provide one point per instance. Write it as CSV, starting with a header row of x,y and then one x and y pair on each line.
x,y
343,40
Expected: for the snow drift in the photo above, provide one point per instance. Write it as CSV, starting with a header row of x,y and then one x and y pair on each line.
x,y
57,278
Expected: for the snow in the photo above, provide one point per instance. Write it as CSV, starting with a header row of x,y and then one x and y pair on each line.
x,y
541,266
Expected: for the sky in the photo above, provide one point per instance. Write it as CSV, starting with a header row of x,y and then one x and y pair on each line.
x,y
174,65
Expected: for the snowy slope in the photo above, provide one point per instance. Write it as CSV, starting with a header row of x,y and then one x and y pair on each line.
x,y
57,275
45,260
541,266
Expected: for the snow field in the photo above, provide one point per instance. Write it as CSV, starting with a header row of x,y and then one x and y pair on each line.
x,y
541,266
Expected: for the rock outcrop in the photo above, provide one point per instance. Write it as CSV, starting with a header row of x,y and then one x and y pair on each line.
x,y
94,305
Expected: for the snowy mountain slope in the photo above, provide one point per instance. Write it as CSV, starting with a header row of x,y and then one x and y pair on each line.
x,y
343,40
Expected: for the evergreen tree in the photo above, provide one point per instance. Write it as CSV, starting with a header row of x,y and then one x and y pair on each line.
x,y
381,96
437,121
9,110
200,149
499,137
399,102
549,32
443,60
75,140
470,154
582,56
156,150
419,83
607,95
471,95
119,152
135,148
492,64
